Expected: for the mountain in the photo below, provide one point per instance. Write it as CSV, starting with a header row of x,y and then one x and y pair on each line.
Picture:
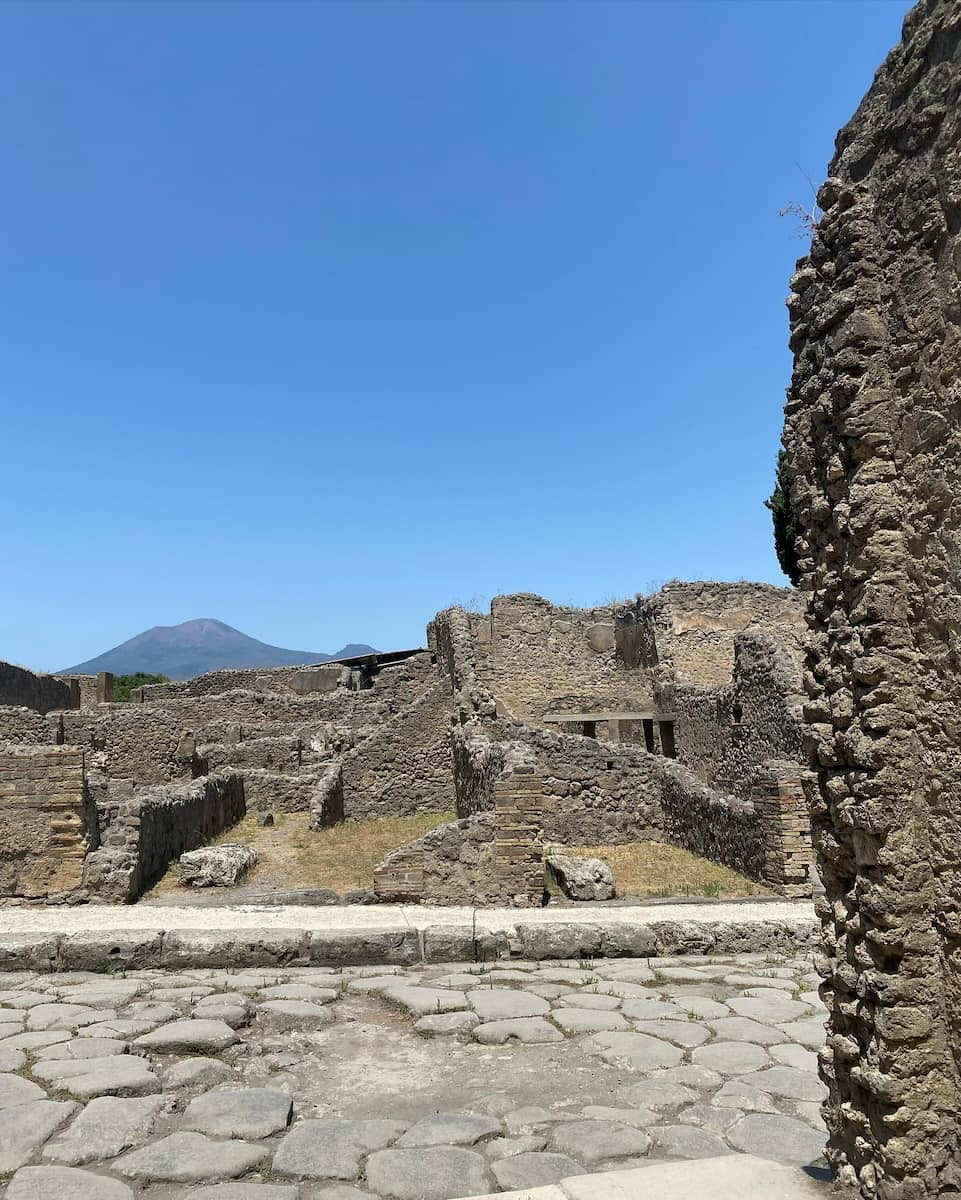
x,y
182,651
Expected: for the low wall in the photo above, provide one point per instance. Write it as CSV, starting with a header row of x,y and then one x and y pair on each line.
x,y
766,838
489,857
46,822
20,687
144,831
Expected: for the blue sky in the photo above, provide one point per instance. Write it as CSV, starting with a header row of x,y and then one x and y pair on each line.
x,y
319,317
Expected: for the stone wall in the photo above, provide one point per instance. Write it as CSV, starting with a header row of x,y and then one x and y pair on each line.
x,y
131,741
299,681
144,830
405,765
45,822
872,433
530,652
25,725
692,627
22,688
490,857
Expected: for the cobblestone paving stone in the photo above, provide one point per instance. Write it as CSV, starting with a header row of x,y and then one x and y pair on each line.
x,y
420,1083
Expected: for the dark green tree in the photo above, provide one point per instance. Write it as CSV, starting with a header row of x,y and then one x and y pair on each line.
x,y
123,683
784,518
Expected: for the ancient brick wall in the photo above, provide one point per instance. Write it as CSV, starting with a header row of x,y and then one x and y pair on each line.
x,y
131,741
694,625
299,681
46,824
144,830
405,765
24,725
490,857
873,434
22,688
529,652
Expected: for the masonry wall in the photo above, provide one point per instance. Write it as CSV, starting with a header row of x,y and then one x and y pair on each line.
x,y
694,625
24,725
22,688
405,765
298,680
45,822
131,741
492,857
144,830
530,653
872,432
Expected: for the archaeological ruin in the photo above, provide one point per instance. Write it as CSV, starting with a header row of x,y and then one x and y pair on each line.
x,y
872,434
675,718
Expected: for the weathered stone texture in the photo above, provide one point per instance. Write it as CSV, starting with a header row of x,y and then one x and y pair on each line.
x,y
143,830
22,688
19,724
45,825
873,435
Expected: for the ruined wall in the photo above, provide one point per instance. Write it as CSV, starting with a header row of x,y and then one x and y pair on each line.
x,y
144,830
22,688
694,625
873,436
492,857
45,822
405,765
702,727
765,712
24,725
131,741
300,681
530,652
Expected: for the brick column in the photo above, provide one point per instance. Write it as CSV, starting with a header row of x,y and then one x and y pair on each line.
x,y
518,817
782,809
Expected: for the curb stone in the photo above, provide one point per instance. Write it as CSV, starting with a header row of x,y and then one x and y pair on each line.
x,y
111,950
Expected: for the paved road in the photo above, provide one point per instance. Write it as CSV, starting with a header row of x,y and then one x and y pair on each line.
x,y
420,1083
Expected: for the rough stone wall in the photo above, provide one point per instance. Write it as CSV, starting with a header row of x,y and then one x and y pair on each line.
x,y
692,627
711,823
405,765
530,652
131,741
765,712
22,688
492,857
299,681
45,822
144,830
873,436
702,727
24,725
87,689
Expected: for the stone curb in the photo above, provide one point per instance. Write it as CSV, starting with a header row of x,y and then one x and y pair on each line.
x,y
110,950
731,1177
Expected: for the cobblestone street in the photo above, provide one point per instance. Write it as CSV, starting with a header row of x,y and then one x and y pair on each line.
x,y
420,1083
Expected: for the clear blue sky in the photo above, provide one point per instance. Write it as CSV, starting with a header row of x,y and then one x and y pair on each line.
x,y
318,317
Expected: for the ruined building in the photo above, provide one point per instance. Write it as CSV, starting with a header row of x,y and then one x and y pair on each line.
x,y
873,434
675,717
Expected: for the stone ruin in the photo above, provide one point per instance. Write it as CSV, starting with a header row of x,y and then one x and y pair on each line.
x,y
675,717
873,430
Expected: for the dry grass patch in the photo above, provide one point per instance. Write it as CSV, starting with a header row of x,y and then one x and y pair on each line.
x,y
291,856
647,869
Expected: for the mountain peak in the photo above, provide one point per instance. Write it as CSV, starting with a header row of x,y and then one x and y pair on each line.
x,y
199,645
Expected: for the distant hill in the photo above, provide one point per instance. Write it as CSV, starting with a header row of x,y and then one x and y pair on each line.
x,y
182,651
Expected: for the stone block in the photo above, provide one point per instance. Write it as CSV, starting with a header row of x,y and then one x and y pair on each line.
x,y
239,947
111,949
354,947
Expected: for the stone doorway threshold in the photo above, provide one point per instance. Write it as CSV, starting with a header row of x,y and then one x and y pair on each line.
x,y
731,1177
